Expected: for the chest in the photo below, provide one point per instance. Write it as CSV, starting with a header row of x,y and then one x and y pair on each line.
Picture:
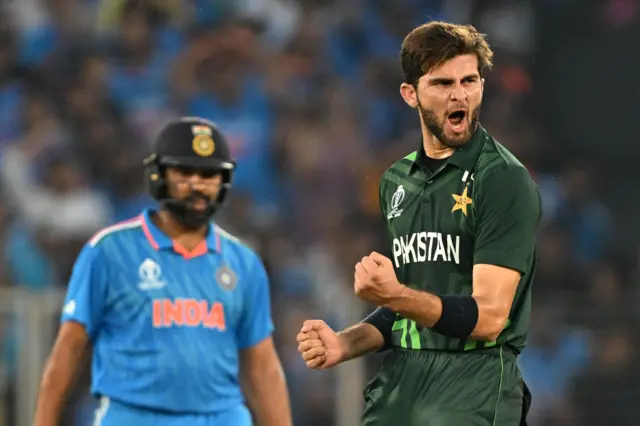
x,y
165,290
431,221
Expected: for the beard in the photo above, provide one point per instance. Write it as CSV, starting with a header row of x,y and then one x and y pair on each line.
x,y
437,126
183,212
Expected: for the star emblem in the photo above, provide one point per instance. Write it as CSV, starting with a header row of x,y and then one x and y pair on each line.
x,y
462,201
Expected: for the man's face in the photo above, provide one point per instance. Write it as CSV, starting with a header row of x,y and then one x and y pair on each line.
x,y
448,98
197,187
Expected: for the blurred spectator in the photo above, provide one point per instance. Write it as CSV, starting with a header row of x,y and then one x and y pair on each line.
x,y
138,75
11,90
62,204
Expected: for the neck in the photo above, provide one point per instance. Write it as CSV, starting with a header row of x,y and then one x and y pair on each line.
x,y
187,238
433,147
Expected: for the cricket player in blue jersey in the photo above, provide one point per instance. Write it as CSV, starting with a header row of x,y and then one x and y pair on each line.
x,y
177,310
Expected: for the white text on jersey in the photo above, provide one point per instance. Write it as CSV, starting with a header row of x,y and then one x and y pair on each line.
x,y
426,247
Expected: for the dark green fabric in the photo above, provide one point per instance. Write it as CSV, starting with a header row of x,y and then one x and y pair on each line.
x,y
480,206
436,388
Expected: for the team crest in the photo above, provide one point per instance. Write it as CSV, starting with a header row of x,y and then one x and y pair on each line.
x,y
226,278
462,201
396,200
203,143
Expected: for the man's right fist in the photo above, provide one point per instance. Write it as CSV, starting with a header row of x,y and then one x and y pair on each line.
x,y
319,345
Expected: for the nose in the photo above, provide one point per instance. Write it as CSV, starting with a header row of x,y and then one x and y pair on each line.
x,y
458,93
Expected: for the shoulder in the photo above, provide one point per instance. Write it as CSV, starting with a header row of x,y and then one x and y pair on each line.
x,y
398,171
502,180
496,162
237,250
99,249
119,232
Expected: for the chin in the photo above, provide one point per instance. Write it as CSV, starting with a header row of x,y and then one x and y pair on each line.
x,y
456,141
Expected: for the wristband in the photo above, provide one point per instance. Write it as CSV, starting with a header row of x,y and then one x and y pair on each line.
x,y
459,316
382,319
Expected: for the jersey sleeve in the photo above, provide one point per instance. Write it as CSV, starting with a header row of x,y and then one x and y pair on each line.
x,y
86,293
387,239
255,323
508,214
381,200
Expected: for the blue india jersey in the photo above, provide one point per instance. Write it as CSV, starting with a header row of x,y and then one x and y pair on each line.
x,y
167,325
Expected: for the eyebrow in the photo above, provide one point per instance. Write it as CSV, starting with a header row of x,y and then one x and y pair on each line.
x,y
451,80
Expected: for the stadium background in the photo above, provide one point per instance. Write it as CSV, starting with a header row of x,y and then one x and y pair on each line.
x,y
307,91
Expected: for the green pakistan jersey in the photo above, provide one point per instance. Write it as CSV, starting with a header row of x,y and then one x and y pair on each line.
x,y
480,207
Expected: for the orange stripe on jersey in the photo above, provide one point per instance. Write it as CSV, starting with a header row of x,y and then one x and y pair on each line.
x,y
126,224
147,233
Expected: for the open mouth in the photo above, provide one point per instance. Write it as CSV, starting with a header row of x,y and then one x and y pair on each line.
x,y
457,120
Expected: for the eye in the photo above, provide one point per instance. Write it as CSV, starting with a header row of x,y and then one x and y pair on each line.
x,y
208,174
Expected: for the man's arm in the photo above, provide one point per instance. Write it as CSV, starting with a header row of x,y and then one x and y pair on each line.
x,y
323,348
60,374
493,290
260,370
360,339
372,334
264,384
81,317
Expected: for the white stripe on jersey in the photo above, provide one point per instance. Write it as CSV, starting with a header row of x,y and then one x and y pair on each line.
x,y
101,411
127,224
229,236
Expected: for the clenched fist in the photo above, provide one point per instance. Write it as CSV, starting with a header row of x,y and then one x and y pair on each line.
x,y
319,345
375,280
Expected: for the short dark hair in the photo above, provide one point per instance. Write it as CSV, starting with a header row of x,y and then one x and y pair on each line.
x,y
434,43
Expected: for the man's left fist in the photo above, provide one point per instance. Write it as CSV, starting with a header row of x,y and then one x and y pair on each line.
x,y
375,280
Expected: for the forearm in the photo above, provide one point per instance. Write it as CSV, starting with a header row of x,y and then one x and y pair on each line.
x,y
268,398
360,340
60,375
426,309
422,307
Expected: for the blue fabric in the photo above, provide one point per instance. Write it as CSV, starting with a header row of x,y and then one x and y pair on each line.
x,y
158,316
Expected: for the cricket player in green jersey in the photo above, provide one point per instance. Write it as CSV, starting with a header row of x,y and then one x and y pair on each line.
x,y
454,298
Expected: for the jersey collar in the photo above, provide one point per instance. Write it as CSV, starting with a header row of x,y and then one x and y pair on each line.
x,y
161,241
465,157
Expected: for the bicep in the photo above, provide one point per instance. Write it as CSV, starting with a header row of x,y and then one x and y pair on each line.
x,y
495,287
73,335
258,358
69,349
66,359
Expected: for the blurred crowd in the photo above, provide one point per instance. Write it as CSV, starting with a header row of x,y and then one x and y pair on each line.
x,y
307,93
